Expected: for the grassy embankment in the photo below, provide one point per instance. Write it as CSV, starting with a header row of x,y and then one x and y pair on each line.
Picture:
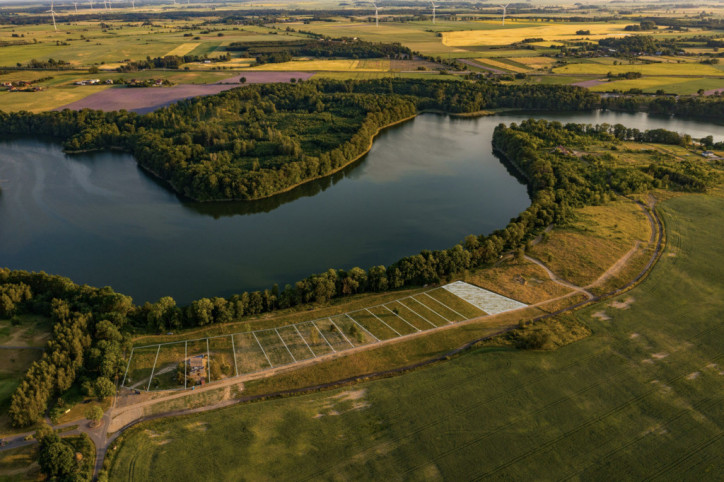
x,y
641,397
518,279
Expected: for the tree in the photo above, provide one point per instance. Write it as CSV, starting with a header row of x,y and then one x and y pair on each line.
x,y
57,460
94,414
104,388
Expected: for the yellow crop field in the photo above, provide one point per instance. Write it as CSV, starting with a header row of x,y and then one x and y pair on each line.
x,y
645,69
547,31
502,65
183,49
372,65
44,100
535,62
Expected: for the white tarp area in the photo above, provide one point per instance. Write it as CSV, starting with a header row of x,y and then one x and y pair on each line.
x,y
489,302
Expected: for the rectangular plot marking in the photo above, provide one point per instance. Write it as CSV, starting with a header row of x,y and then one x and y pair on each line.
x,y
487,301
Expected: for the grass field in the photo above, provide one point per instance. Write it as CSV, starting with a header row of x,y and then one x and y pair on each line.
x,y
670,85
642,397
645,69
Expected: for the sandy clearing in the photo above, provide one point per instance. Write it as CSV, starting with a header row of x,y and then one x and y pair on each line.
x,y
601,315
623,305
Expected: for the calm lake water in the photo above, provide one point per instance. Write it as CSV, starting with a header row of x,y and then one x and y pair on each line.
x,y
99,219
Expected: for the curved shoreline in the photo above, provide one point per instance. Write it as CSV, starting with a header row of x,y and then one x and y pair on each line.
x,y
334,171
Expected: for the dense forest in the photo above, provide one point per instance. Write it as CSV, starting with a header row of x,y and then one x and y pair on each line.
x,y
253,142
90,325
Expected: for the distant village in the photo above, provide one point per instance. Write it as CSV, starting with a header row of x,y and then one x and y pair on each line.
x,y
127,83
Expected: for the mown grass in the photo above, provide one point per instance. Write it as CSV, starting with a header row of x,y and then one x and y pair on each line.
x,y
639,398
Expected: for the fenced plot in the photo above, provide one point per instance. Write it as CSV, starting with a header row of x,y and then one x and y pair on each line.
x,y
295,343
334,335
249,355
353,331
140,366
448,313
222,364
185,364
423,310
465,309
487,301
274,347
166,371
314,338
393,320
374,325
410,315
197,362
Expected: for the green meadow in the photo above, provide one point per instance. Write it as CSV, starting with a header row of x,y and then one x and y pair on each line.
x,y
641,397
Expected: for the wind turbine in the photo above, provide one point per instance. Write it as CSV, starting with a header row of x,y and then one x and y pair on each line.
x,y
91,4
133,4
504,7
75,4
52,13
433,10
377,15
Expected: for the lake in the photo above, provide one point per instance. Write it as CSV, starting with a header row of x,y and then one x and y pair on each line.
x,y
426,184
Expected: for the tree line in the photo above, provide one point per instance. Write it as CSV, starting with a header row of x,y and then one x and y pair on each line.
x,y
86,343
253,142
348,48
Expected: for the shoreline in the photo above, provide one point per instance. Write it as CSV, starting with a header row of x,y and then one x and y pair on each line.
x,y
481,113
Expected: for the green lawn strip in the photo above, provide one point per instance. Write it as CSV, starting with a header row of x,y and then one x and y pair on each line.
x,y
438,306
373,325
393,320
411,315
420,306
461,307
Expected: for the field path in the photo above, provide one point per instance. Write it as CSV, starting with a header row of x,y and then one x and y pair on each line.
x,y
561,281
